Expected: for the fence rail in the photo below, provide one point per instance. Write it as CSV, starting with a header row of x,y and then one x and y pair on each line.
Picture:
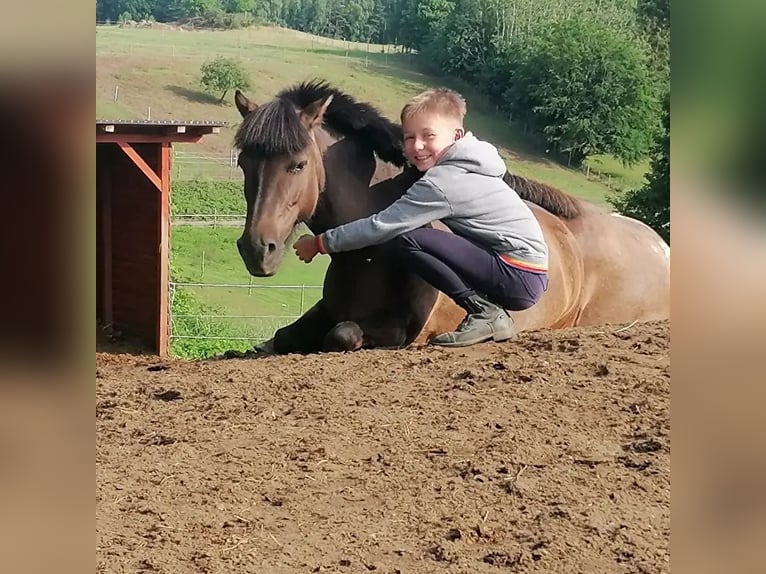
x,y
187,326
208,165
208,220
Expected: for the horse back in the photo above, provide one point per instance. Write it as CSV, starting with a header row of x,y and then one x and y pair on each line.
x,y
627,269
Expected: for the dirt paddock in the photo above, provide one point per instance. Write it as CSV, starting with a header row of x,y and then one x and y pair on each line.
x,y
547,454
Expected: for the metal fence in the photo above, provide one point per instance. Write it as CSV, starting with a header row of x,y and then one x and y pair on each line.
x,y
205,165
283,305
234,315
208,220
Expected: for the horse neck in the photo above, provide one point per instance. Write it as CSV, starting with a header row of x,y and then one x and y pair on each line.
x,y
348,169
317,222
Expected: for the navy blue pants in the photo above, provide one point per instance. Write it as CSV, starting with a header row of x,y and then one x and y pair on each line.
x,y
460,269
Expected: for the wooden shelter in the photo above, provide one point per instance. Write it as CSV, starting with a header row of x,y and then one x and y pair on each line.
x,y
133,223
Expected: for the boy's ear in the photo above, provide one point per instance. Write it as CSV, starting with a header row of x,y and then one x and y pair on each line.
x,y
459,133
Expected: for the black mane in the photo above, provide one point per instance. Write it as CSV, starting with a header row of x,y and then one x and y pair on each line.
x,y
275,128
549,198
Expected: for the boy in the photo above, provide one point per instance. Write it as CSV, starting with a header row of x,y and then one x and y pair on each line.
x,y
495,259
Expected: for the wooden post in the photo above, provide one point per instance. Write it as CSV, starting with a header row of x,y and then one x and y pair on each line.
x,y
163,260
106,246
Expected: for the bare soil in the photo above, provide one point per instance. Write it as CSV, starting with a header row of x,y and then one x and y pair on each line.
x,y
547,454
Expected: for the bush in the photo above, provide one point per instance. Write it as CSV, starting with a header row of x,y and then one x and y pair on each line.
x,y
195,197
223,74
219,19
651,203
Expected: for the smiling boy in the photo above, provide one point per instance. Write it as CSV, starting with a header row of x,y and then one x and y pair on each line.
x,y
495,258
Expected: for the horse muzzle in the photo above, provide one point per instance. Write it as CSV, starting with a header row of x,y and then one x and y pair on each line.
x,y
262,258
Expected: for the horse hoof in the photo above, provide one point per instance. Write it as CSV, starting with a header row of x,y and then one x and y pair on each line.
x,y
265,348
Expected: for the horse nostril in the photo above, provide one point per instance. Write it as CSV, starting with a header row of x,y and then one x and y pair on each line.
x,y
272,247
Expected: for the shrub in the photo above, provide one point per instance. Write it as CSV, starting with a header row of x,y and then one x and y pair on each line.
x,y
223,74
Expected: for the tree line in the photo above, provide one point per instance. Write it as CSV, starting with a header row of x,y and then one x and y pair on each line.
x,y
584,76
588,76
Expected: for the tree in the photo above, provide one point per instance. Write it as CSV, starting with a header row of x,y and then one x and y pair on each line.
x,y
586,88
113,9
238,6
651,203
223,74
654,21
462,46
422,20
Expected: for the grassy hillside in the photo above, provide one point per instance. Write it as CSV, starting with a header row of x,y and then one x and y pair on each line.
x,y
157,72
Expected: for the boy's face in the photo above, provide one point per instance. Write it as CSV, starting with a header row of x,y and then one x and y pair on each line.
x,y
427,136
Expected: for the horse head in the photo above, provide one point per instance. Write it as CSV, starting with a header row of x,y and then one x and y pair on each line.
x,y
281,157
282,154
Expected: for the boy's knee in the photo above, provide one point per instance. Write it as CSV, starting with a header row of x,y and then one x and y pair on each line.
x,y
407,241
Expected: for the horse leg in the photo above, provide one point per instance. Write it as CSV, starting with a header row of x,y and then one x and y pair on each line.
x,y
306,334
370,333
345,336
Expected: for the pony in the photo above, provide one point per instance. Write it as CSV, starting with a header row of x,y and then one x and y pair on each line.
x,y
315,155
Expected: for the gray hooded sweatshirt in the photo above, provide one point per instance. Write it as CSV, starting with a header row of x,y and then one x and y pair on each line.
x,y
464,190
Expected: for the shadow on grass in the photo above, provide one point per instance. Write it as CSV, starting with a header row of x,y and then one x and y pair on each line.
x,y
195,95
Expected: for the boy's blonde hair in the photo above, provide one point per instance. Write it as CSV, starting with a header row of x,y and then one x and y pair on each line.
x,y
440,101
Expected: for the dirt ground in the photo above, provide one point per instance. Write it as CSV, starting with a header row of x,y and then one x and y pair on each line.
x,y
547,454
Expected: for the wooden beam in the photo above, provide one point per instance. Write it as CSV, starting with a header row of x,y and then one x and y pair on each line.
x,y
141,164
149,138
163,259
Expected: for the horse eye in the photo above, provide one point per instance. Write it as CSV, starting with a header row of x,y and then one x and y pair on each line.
x,y
297,167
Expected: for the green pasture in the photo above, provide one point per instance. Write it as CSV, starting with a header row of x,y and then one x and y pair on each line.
x,y
254,306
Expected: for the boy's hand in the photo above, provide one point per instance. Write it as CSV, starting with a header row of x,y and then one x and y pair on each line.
x,y
306,248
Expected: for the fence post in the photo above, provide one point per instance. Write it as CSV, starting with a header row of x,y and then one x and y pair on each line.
x,y
202,276
303,297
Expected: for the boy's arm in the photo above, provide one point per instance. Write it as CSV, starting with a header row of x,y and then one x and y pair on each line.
x,y
421,204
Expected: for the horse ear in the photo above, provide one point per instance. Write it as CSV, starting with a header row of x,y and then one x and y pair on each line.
x,y
244,105
313,114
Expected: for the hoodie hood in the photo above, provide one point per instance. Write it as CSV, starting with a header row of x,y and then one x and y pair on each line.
x,y
474,156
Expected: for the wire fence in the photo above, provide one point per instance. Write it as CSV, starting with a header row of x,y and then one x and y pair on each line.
x,y
213,220
196,326
205,165
307,294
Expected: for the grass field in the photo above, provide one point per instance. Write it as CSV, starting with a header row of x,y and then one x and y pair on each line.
x,y
203,255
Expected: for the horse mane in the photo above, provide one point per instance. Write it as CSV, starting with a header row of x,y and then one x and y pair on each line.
x,y
274,128
549,198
